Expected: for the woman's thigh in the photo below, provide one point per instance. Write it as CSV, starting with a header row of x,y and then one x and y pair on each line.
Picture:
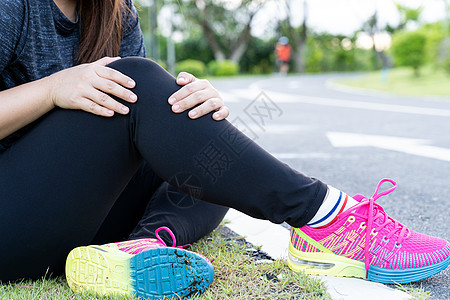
x,y
57,185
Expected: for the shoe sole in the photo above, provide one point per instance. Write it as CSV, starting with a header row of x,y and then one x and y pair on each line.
x,y
153,274
325,264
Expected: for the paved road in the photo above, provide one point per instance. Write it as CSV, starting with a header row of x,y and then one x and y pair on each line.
x,y
307,123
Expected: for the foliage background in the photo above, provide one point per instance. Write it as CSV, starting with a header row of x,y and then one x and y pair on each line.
x,y
212,30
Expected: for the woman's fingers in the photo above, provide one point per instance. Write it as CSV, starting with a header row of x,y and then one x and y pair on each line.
x,y
112,88
195,92
91,87
184,78
189,89
206,107
195,99
112,82
106,101
106,60
221,114
115,76
92,107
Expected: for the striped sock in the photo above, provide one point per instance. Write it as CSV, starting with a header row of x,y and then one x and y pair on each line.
x,y
335,202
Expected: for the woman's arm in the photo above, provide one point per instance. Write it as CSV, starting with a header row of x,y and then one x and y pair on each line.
x,y
22,105
84,87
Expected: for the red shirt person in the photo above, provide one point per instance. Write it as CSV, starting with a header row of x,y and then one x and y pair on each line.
x,y
283,51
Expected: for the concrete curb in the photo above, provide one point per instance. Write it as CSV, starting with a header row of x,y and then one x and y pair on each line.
x,y
273,240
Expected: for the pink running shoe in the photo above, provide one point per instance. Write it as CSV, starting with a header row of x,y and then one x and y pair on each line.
x,y
391,254
144,268
140,245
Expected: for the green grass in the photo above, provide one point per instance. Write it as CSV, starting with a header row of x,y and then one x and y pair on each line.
x,y
54,289
403,82
416,293
237,276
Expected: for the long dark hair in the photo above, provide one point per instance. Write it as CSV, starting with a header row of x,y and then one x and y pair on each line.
x,y
101,28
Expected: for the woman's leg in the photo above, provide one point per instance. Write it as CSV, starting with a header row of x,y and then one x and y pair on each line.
x,y
223,165
189,218
129,208
60,181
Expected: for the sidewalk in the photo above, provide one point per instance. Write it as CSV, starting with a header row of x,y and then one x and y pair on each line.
x,y
273,240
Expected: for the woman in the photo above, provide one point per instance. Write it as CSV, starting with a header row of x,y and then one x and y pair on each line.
x,y
88,140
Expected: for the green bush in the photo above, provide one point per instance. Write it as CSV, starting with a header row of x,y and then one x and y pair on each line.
x,y
435,37
259,58
446,65
195,67
263,67
408,49
223,68
313,57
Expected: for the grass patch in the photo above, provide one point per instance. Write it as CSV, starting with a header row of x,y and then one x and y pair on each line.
x,y
416,293
237,276
403,82
47,289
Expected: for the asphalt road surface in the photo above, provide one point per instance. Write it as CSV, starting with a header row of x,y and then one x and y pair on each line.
x,y
351,139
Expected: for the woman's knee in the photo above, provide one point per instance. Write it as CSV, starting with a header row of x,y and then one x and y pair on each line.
x,y
152,81
143,71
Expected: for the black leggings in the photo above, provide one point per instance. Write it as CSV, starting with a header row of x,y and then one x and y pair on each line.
x,y
76,178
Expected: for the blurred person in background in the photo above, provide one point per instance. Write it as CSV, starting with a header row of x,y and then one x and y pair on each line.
x,y
283,51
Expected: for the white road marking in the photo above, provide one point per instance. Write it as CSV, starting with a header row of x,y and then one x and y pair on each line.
x,y
279,129
277,97
227,97
292,155
400,144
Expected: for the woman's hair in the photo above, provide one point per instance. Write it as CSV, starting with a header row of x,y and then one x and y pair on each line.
x,y
101,28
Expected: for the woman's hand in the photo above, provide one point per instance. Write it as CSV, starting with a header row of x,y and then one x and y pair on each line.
x,y
87,86
197,91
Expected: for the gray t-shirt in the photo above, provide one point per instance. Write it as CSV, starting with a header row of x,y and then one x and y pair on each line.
x,y
36,40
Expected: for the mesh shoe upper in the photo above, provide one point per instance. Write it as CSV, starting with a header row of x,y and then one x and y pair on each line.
x,y
140,245
391,244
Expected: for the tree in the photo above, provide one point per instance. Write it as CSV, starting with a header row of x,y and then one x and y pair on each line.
x,y
297,36
226,26
148,11
371,28
407,14
408,49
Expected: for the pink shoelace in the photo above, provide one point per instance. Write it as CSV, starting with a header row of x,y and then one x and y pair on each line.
x,y
174,240
376,212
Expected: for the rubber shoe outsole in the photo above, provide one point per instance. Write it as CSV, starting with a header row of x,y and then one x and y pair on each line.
x,y
325,264
153,274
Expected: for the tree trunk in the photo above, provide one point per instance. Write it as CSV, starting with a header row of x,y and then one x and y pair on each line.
x,y
380,55
212,41
235,49
242,43
298,39
219,55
